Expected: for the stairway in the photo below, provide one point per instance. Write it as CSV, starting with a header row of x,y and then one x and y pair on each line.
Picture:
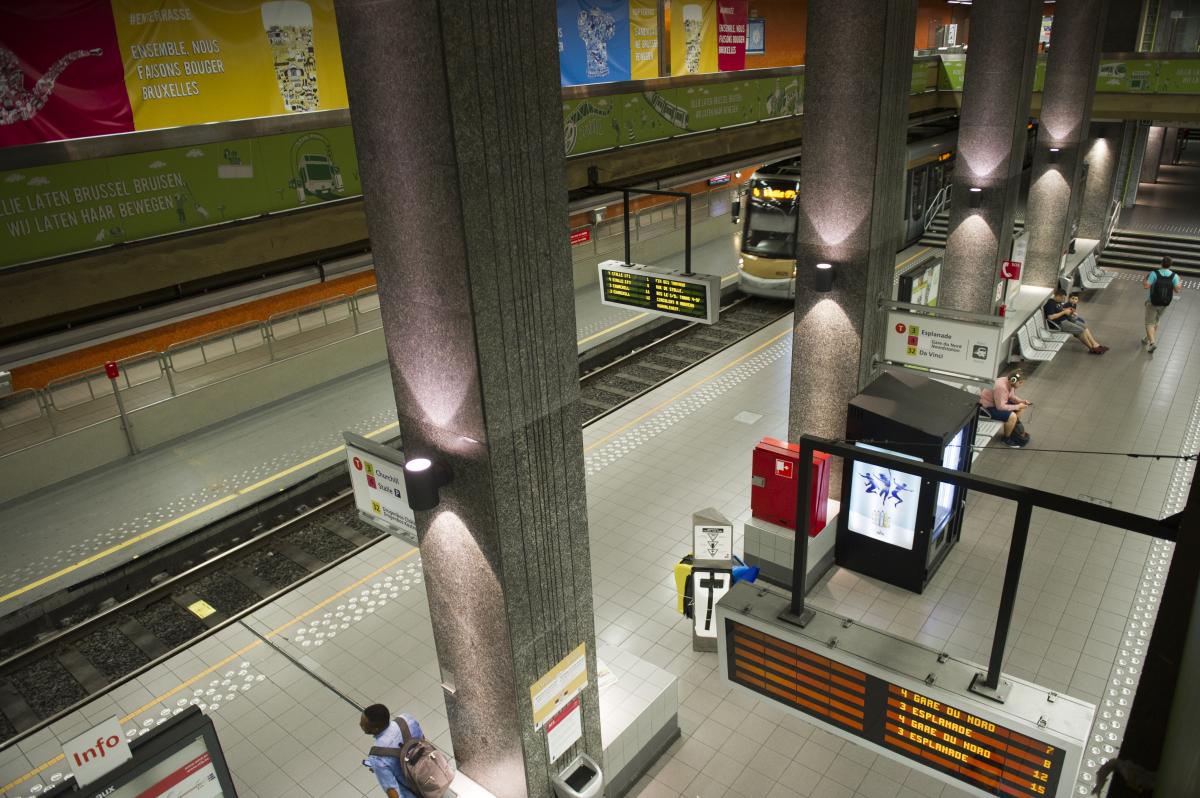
x,y
935,236
1131,249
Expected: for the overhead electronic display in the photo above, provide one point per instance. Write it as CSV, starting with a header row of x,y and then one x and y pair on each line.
x,y
691,297
953,741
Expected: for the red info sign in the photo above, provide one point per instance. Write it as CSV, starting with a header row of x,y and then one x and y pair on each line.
x,y
731,35
581,236
783,468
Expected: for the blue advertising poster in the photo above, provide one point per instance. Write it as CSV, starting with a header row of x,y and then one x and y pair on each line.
x,y
593,41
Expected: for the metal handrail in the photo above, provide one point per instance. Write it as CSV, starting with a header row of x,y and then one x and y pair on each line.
x,y
1113,217
940,201
300,314
16,399
203,342
97,381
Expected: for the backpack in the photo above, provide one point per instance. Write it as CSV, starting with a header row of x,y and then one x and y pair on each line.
x,y
1162,288
426,769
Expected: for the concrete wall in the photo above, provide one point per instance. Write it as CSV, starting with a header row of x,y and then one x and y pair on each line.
x,y
68,456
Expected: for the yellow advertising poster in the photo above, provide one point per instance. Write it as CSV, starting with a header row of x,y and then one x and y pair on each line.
x,y
693,37
643,39
196,61
563,682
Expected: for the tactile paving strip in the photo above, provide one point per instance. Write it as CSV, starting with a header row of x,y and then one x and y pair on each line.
x,y
1108,727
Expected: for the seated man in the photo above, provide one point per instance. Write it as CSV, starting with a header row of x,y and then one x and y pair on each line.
x,y
1002,403
1060,315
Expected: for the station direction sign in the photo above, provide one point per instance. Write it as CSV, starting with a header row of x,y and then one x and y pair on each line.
x,y
903,700
955,346
690,297
377,477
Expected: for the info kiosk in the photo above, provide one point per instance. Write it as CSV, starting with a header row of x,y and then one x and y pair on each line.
x,y
896,526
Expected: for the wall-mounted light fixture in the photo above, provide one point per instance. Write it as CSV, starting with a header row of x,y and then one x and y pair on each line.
x,y
976,196
424,478
1054,151
823,281
737,175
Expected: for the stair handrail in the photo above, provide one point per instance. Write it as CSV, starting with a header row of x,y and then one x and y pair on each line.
x,y
940,201
1111,223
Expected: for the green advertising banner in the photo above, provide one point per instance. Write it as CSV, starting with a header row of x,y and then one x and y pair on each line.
x,y
924,76
952,71
56,210
1127,76
618,120
1178,77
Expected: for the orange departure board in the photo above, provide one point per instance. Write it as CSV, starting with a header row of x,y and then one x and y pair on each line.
x,y
694,297
993,759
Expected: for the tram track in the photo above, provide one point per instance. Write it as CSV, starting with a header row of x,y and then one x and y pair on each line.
x,y
94,636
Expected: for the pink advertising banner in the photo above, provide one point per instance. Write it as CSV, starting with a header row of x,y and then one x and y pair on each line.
x,y
731,35
62,77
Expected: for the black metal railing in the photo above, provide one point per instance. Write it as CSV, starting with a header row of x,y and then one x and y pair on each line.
x,y
1026,498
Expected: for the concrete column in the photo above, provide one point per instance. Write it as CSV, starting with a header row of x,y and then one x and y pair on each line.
x,y
1101,153
851,188
1170,139
997,89
1066,110
457,119
1153,155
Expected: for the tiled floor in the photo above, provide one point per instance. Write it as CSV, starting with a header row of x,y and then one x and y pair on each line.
x,y
684,447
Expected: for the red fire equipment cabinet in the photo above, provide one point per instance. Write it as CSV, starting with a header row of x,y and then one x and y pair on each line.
x,y
775,488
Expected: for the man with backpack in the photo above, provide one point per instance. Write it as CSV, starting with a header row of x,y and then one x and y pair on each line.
x,y
1164,284
405,763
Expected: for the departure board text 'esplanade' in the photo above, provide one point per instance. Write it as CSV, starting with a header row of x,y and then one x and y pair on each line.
x,y
655,292
953,741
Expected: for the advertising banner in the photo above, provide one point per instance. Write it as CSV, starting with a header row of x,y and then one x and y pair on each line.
x,y
61,75
200,62
643,39
74,68
1129,76
593,41
54,210
1178,77
602,123
694,37
731,35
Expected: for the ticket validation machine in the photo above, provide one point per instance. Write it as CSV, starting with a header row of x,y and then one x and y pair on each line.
x,y
894,525
712,573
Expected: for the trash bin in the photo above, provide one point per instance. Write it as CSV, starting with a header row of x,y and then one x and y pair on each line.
x,y
580,779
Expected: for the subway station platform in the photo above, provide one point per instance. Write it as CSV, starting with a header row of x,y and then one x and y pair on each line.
x,y
649,465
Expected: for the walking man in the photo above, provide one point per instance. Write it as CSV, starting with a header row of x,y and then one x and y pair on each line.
x,y
1164,284
377,722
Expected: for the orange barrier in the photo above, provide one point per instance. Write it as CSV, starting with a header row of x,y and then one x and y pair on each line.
x,y
36,375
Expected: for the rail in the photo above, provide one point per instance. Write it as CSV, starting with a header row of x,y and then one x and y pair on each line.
x,y
939,202
34,415
1110,225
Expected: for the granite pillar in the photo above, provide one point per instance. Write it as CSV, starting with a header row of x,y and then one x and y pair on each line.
x,y
997,89
859,55
1101,153
457,120
1066,111
1153,155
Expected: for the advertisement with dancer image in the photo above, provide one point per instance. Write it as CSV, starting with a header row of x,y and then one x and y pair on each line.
x,y
883,502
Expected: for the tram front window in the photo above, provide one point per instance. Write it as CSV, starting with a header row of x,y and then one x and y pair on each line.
x,y
770,229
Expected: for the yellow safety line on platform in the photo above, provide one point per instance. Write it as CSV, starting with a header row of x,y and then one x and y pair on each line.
x,y
235,655
689,389
149,533
909,260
